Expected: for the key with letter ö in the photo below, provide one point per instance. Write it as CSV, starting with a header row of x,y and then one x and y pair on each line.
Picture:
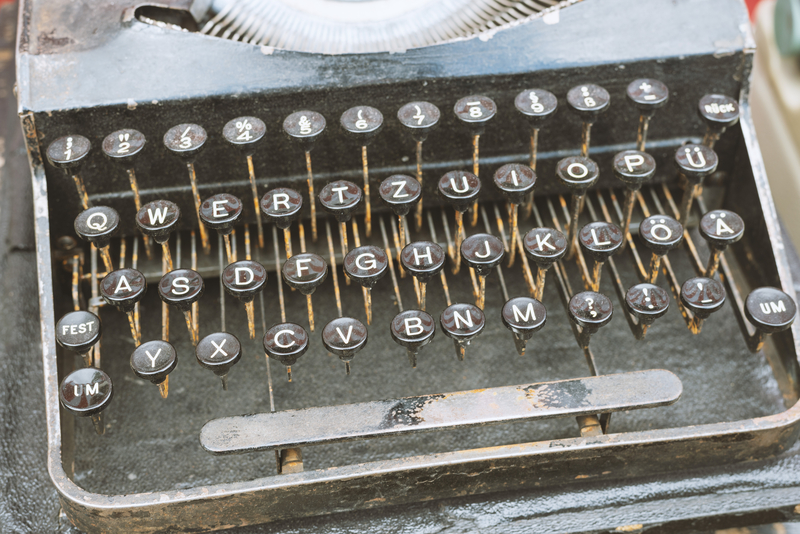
x,y
154,361
218,352
344,337
413,329
660,233
462,323
86,393
286,342
79,331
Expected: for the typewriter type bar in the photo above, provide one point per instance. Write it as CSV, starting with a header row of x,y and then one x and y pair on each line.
x,y
331,424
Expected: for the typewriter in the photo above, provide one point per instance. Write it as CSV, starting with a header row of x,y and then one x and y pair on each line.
x,y
285,273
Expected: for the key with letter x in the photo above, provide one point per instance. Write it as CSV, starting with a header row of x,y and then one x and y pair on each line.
x,y
219,352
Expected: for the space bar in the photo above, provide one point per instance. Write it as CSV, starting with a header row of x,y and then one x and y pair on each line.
x,y
529,402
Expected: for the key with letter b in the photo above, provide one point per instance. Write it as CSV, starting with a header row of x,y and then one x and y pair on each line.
x,y
413,329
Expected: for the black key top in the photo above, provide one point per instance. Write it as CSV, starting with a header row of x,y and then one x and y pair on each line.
x,y
702,296
158,219
221,212
648,95
524,316
79,331
366,265
660,233
244,280
282,206
86,393
475,111
344,337
600,240
98,225
362,123
123,289
590,310
413,329
536,106
305,127
218,352
401,193
244,133
588,101
544,246
515,181
185,140
718,112
647,302
154,361
424,260
286,342
305,272
770,310
462,323
182,288
578,173
634,168
68,152
696,161
123,146
720,228
459,189
420,118
482,252
340,198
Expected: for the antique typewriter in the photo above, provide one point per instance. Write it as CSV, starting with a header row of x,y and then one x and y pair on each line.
x,y
291,267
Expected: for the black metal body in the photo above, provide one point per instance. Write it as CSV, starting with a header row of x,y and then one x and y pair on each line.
x,y
65,87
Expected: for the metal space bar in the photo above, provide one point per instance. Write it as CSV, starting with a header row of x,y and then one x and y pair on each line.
x,y
546,400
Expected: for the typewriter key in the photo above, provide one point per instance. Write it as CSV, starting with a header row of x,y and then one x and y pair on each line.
x,y
535,106
305,272
221,213
423,260
305,127
186,141
523,316
578,173
702,297
460,190
68,153
647,302
123,289
516,182
182,288
154,361
245,133
282,206
401,193
366,265
363,123
86,393
718,112
647,95
341,198
462,323
158,219
79,331
633,168
695,162
720,228
475,111
600,240
660,233
588,102
591,311
218,352
98,225
544,246
482,252
420,118
770,310
286,342
244,280
344,337
413,329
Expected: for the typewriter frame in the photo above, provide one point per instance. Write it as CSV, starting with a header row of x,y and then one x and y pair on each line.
x,y
404,480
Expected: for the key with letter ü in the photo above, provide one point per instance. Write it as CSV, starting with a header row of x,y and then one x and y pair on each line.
x,y
123,289
182,288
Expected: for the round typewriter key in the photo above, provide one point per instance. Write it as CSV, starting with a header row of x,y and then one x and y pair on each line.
x,y
221,212
647,95
282,206
413,329
185,140
600,239
661,233
482,252
304,126
97,225
634,168
68,152
123,146
123,288
770,310
721,228
702,296
158,219
219,352
578,173
305,272
590,310
718,111
341,198
460,189
515,181
476,111
647,302
362,122
182,288
696,161
462,323
366,265
536,105
421,118
86,393
544,246
588,101
79,331
286,342
344,337
401,193
424,260
154,361
244,132
523,316
244,280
